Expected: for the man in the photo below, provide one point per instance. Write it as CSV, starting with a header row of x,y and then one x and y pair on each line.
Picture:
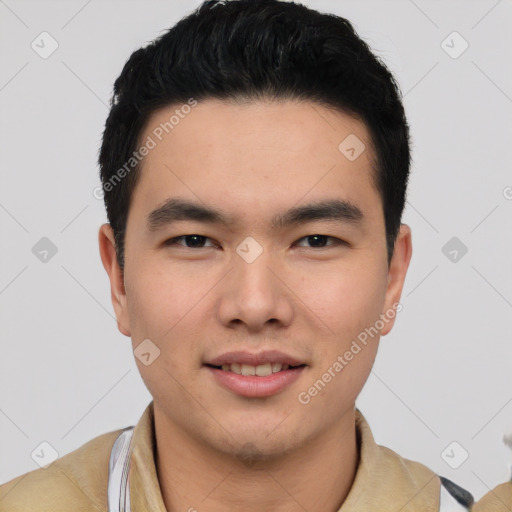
x,y
254,164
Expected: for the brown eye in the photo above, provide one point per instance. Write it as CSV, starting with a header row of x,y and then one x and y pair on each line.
x,y
319,241
190,241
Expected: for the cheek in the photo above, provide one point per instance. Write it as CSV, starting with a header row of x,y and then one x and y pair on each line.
x,y
161,310
348,302
167,309
347,299
157,301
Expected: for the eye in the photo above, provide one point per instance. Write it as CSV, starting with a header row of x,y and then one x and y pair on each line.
x,y
318,241
195,241
198,241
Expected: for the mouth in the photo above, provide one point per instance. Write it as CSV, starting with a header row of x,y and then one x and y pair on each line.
x,y
261,370
255,375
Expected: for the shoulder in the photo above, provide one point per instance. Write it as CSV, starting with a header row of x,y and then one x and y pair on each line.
x,y
383,474
428,490
77,481
498,499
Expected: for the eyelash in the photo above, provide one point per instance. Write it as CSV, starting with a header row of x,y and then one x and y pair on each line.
x,y
174,241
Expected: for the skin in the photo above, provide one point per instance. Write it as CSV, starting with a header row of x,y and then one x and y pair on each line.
x,y
217,450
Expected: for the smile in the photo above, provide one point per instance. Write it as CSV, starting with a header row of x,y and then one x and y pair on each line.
x,y
259,381
262,370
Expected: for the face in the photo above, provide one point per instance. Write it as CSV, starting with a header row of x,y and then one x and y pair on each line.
x,y
255,284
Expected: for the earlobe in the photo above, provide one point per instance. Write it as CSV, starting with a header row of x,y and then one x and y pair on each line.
x,y
396,275
107,248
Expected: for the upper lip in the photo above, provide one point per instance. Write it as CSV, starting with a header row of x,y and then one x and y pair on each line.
x,y
244,357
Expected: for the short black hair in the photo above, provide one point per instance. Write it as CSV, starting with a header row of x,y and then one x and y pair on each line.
x,y
253,50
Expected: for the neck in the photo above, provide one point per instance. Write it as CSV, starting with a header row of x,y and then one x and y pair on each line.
x,y
317,477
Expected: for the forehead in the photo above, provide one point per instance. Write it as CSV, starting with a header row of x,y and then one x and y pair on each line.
x,y
256,156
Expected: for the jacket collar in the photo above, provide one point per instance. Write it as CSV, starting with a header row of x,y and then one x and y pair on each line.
x,y
384,481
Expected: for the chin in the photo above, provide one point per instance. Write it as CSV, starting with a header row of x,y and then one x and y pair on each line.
x,y
250,454
251,450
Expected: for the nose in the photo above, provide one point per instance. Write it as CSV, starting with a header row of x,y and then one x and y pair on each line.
x,y
254,294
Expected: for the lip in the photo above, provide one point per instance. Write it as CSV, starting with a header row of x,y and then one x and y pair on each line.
x,y
244,357
253,386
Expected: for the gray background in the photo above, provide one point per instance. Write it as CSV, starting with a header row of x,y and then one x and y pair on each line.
x,y
444,372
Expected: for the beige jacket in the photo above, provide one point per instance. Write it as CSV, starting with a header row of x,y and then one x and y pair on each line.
x,y
384,482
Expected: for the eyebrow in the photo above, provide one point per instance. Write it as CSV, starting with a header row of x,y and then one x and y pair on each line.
x,y
175,209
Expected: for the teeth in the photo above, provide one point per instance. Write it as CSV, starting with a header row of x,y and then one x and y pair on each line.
x,y
261,370
248,369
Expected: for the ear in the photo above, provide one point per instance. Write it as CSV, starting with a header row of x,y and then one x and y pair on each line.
x,y
117,290
396,275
